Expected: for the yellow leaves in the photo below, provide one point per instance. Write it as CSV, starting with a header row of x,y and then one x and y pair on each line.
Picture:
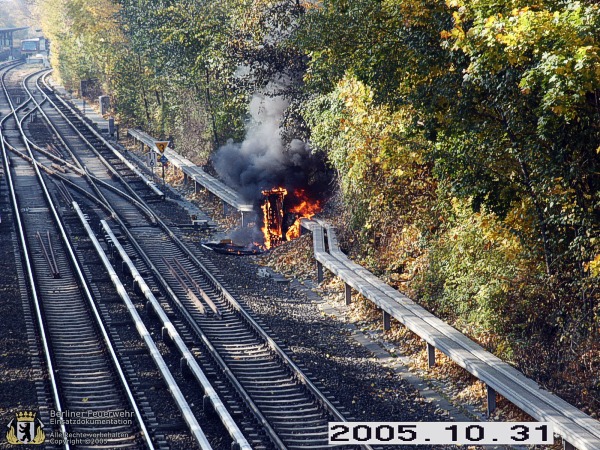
x,y
520,11
457,18
308,5
454,3
593,267
556,16
509,40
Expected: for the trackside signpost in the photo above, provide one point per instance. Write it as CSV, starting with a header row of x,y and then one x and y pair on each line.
x,y
164,161
161,146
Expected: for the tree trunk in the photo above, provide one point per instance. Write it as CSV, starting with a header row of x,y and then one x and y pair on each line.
x,y
541,219
146,108
210,108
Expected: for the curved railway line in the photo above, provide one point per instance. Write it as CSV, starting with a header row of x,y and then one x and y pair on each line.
x,y
107,297
84,371
267,396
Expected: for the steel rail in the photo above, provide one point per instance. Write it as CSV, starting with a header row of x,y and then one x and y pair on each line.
x,y
118,154
246,317
192,323
134,198
102,203
180,400
83,282
193,365
191,295
80,170
49,257
263,421
101,199
84,172
278,350
201,291
30,275
287,360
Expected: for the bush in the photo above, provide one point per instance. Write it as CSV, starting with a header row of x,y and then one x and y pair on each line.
x,y
474,266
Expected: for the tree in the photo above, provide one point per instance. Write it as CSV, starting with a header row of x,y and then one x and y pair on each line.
x,y
525,125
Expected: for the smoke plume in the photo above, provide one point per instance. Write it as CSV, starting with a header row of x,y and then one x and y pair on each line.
x,y
262,160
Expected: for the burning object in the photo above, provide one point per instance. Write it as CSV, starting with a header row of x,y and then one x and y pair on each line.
x,y
281,224
272,207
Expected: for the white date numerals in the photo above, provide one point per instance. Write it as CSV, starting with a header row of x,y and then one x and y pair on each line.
x,y
440,433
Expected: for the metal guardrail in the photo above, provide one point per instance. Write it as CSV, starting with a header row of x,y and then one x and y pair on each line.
x,y
173,388
216,187
576,428
219,407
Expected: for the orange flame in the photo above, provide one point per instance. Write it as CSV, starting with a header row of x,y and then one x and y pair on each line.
x,y
272,209
273,215
304,210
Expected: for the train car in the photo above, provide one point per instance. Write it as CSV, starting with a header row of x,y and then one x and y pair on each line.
x,y
33,46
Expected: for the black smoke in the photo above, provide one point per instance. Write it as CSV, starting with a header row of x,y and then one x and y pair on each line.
x,y
264,161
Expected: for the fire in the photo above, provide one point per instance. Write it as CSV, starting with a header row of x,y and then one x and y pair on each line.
x,y
272,209
304,210
274,216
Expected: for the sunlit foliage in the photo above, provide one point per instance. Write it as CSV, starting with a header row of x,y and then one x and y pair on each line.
x,y
465,136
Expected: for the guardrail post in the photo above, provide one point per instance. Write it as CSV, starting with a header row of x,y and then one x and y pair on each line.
x,y
387,321
568,445
348,294
430,355
491,400
319,272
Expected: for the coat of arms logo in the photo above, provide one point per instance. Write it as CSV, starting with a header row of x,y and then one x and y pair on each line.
x,y
25,428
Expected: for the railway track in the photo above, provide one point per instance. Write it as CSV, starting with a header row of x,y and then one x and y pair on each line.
x,y
273,401
139,372
85,375
287,408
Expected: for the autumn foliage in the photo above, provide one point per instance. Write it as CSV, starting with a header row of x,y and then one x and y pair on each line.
x,y
464,138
